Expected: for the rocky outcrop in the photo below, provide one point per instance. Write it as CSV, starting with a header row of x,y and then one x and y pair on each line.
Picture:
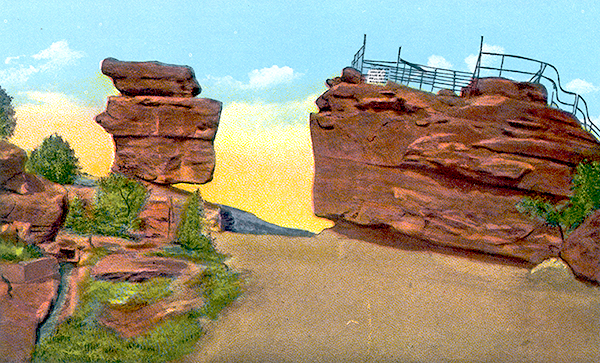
x,y
164,139
582,248
446,169
151,78
30,206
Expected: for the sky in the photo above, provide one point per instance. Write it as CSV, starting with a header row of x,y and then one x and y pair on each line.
x,y
267,61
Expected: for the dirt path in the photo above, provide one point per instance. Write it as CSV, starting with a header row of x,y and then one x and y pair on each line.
x,y
333,299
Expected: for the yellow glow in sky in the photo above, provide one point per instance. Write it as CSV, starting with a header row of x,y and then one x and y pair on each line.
x,y
262,169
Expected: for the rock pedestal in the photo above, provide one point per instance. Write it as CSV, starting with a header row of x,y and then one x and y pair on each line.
x,y
446,169
162,133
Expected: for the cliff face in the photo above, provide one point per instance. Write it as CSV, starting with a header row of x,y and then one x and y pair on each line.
x,y
162,133
444,168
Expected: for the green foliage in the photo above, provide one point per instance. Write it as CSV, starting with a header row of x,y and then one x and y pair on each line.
x,y
192,233
584,200
81,339
8,122
79,219
115,211
54,160
221,286
130,294
16,252
118,205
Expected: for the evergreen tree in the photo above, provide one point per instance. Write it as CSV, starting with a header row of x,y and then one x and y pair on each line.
x,y
191,231
8,121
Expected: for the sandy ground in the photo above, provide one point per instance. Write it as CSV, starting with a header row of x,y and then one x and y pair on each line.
x,y
334,299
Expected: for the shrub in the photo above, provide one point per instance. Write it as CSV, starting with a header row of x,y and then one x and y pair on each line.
x,y
15,252
115,210
8,121
569,215
192,232
54,160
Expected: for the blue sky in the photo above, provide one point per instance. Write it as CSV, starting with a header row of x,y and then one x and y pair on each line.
x,y
57,46
265,60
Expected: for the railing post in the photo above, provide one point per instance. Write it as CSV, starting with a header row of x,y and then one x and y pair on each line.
x,y
363,53
501,65
398,64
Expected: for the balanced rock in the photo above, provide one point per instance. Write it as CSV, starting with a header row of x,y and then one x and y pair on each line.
x,y
31,205
164,139
445,169
151,78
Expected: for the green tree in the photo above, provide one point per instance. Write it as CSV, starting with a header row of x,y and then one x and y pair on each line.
x,y
54,160
191,231
118,204
79,219
8,121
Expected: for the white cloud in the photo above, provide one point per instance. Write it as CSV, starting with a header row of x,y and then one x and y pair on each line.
x,y
272,76
55,57
471,59
17,74
438,61
8,60
58,55
259,78
581,87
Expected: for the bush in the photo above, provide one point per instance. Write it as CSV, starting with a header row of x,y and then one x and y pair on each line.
x,y
54,160
8,121
569,215
115,210
15,252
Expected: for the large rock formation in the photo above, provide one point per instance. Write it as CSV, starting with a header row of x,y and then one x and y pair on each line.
x,y
442,168
30,206
162,133
582,248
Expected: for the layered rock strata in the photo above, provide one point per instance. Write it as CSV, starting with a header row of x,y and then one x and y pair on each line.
x,y
442,168
161,135
31,207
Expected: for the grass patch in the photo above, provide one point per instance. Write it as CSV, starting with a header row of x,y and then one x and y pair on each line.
x,y
220,287
197,256
81,339
96,254
16,252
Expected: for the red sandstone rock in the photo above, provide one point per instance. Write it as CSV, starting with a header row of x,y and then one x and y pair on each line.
x,y
445,169
526,91
164,140
582,248
29,200
135,267
151,78
351,75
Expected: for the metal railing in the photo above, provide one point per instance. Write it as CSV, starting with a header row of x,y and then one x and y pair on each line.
x,y
432,78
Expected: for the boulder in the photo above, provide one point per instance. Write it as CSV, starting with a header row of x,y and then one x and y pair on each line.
x,y
351,75
151,78
582,248
30,205
526,91
445,169
163,140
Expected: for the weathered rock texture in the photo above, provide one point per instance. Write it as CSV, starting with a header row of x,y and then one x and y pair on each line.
x,y
446,169
163,139
30,206
151,78
582,248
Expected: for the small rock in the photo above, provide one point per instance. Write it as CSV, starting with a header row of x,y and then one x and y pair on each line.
x,y
555,273
351,75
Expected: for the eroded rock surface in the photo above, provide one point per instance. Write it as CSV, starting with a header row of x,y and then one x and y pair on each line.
x,y
151,78
443,168
160,137
30,206
582,248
